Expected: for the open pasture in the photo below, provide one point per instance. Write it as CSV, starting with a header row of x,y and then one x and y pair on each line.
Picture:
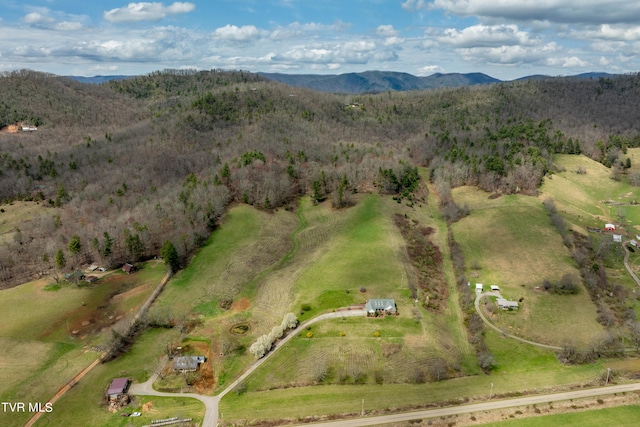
x,y
509,241
33,312
247,242
365,253
41,352
83,404
591,198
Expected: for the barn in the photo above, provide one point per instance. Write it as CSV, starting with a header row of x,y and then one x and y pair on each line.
x,y
117,387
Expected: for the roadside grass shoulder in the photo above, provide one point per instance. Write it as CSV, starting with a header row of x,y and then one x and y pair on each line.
x,y
622,416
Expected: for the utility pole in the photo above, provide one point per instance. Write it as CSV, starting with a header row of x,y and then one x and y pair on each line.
x,y
608,372
362,408
491,391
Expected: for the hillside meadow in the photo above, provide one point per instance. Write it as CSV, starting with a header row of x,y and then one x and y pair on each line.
x,y
308,259
510,242
53,331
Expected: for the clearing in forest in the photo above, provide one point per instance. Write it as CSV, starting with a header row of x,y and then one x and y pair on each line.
x,y
509,241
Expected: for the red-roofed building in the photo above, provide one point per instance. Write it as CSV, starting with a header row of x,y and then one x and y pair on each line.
x,y
117,387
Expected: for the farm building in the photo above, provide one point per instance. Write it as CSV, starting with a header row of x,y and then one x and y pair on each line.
x,y
479,287
610,227
117,387
495,288
506,304
380,306
129,268
91,279
75,277
634,243
617,238
187,363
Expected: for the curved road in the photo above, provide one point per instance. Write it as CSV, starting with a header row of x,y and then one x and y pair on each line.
x,y
211,402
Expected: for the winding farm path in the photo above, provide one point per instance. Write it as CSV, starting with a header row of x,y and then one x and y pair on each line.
x,y
479,296
211,402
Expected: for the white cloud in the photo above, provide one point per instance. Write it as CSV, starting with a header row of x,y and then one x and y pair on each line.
x,y
349,52
413,5
618,33
487,36
427,70
237,34
42,17
567,62
386,30
37,18
559,11
297,30
68,26
509,55
147,11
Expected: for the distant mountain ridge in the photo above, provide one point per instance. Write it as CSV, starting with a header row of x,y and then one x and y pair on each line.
x,y
378,81
374,81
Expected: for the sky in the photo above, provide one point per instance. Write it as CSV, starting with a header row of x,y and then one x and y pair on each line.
x,y
505,39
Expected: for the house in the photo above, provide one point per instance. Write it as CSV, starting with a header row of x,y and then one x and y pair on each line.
x,y
507,305
375,307
495,288
117,387
610,227
634,243
129,268
74,277
187,363
617,238
479,287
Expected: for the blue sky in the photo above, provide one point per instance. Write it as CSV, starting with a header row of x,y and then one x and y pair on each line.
x,y
506,39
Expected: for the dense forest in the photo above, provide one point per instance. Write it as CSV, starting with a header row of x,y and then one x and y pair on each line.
x,y
126,165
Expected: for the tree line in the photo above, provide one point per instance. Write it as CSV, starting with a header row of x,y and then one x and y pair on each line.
x,y
125,166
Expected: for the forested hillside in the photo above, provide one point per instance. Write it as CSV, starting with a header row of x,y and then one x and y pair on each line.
x,y
124,166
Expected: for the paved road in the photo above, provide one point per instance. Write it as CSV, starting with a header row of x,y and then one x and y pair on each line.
x,y
211,402
486,406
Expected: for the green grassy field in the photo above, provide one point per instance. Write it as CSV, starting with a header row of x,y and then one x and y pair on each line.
x,y
592,198
366,253
623,416
83,404
509,241
265,264
39,350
